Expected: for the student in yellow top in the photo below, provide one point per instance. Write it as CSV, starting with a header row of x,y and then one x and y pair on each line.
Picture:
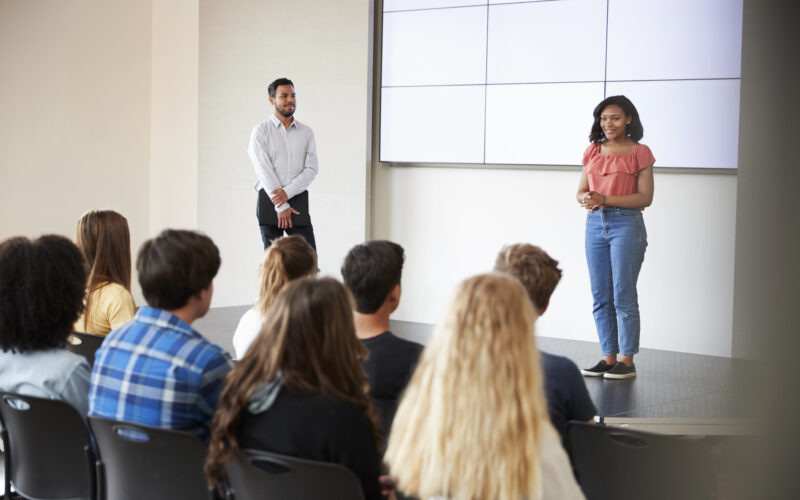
x,y
104,240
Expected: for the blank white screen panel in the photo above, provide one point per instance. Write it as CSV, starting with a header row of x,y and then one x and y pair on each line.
x,y
398,5
515,82
434,47
547,42
674,39
702,116
527,121
433,124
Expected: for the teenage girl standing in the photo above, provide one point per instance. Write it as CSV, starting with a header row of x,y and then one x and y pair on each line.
x,y
616,186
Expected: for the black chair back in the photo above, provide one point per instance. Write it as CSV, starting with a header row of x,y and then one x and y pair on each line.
x,y
84,344
622,464
139,462
262,475
48,452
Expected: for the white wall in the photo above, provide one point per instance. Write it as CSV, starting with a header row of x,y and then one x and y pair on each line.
x,y
173,115
449,232
324,48
145,107
74,114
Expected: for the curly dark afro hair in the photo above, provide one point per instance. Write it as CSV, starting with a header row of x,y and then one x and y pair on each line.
x,y
42,284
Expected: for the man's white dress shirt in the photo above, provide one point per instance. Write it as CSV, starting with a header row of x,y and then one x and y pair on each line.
x,y
283,158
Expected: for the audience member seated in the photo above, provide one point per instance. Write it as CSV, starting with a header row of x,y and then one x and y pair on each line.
x,y
157,370
472,422
372,271
567,397
104,239
287,258
300,389
41,295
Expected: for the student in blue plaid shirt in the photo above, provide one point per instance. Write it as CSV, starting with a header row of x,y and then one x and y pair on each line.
x,y
156,369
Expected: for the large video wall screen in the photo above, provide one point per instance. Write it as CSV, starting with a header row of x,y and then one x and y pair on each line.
x,y
504,82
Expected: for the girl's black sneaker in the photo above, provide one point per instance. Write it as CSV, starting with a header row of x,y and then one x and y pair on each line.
x,y
599,369
621,370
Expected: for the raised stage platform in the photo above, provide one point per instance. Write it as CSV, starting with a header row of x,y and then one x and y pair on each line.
x,y
670,388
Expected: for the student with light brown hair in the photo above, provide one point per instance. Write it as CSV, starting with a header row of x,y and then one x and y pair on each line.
x,y
534,268
104,239
300,389
473,422
286,259
565,390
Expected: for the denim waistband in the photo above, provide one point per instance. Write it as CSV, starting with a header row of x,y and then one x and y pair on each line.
x,y
618,210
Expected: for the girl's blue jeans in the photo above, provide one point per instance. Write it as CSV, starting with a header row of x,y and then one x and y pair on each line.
x,y
616,240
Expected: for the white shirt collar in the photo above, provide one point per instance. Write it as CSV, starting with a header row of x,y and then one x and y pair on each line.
x,y
277,123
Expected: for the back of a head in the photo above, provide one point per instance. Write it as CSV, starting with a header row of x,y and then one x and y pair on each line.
x,y
308,335
104,238
469,422
287,259
370,271
41,292
174,266
533,267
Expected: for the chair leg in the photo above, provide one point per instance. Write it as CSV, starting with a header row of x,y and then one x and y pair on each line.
x,y
6,465
93,492
99,476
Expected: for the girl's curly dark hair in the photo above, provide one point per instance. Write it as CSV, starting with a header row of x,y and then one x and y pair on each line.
x,y
42,283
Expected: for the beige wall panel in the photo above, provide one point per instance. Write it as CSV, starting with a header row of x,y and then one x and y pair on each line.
x,y
75,108
324,48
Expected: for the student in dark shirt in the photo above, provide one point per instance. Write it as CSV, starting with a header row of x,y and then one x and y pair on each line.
x,y
567,397
300,389
372,271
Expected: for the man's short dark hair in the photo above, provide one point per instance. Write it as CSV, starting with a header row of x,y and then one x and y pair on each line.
x,y
370,271
273,87
174,266
42,284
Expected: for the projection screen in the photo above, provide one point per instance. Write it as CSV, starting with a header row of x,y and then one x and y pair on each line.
x,y
515,83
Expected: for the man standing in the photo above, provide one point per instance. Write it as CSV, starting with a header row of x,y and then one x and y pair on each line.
x,y
284,155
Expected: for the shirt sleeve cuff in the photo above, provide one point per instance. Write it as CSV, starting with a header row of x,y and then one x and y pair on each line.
x,y
282,207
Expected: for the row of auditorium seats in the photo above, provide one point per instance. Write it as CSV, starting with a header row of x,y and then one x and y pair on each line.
x,y
49,453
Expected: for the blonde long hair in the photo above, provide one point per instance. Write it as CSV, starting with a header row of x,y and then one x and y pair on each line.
x,y
469,424
287,259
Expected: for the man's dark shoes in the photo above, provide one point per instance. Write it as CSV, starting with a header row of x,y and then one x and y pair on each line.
x,y
620,371
599,369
